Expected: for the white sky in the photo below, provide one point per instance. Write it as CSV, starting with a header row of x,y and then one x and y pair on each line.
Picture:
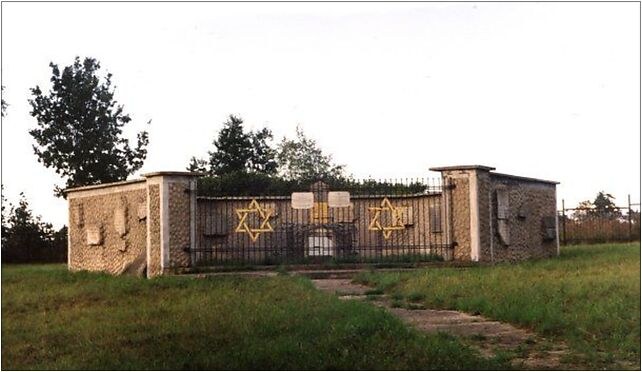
x,y
548,90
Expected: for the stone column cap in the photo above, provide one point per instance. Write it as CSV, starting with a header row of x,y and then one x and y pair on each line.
x,y
462,167
173,173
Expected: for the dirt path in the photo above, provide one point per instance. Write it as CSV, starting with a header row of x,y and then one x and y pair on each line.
x,y
525,349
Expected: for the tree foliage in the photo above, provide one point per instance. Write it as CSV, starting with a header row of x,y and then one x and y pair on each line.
x,y
237,150
79,129
302,159
26,238
602,206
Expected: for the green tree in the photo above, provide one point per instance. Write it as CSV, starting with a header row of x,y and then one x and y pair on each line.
x,y
232,148
604,205
79,129
238,151
197,165
27,238
302,159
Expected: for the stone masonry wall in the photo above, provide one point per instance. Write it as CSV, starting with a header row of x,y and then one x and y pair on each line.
x,y
484,189
179,223
106,231
531,211
460,204
154,259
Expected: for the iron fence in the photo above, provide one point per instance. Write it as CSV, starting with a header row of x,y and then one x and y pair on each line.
x,y
592,225
343,222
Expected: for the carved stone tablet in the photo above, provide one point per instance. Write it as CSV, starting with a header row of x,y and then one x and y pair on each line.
x,y
77,215
338,199
120,221
502,204
302,200
94,235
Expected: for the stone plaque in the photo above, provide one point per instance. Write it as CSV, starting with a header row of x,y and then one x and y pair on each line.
x,y
94,235
549,225
142,211
338,199
302,200
120,221
502,204
77,214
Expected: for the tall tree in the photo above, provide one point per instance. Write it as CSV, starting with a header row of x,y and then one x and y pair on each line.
x,y
238,151
604,204
232,148
263,156
302,159
79,129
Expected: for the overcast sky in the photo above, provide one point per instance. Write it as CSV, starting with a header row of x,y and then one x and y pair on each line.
x,y
547,90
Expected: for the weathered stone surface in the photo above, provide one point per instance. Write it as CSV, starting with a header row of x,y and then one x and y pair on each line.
x,y
460,210
113,250
531,205
154,219
179,224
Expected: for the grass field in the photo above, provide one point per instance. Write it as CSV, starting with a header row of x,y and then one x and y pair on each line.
x,y
589,298
53,319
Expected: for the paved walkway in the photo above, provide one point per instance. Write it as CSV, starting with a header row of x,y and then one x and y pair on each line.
x,y
490,337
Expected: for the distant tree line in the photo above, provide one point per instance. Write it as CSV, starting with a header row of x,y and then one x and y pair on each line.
x,y
246,162
599,221
26,238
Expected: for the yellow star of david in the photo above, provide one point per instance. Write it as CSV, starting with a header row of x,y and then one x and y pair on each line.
x,y
265,226
396,213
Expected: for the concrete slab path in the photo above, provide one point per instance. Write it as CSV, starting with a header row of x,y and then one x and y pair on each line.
x,y
527,350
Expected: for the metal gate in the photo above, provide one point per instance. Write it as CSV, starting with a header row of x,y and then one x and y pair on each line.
x,y
344,222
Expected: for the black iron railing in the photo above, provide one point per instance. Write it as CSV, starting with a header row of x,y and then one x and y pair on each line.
x,y
356,221
593,225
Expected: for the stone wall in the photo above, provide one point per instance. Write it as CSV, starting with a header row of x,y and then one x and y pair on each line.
x,y
106,229
529,230
137,226
460,212
179,223
499,217
157,224
154,266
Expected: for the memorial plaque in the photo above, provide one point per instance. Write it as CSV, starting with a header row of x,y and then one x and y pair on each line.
x,y
78,215
94,235
302,200
502,204
338,199
120,221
